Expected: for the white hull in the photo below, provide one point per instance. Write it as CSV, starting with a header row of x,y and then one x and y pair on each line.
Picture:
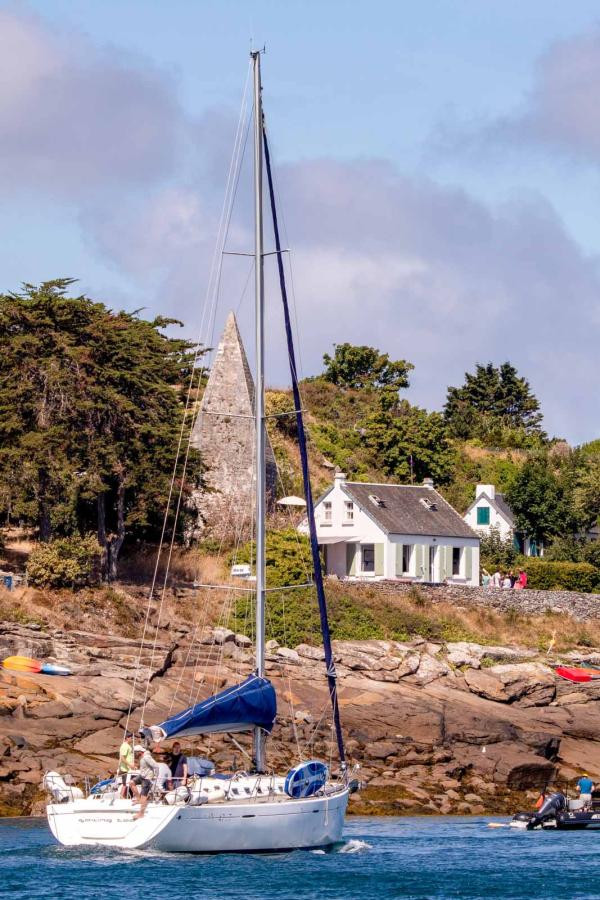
x,y
230,826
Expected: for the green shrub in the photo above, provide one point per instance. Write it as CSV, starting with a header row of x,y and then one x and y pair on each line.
x,y
292,618
565,549
67,562
288,558
591,554
497,552
549,575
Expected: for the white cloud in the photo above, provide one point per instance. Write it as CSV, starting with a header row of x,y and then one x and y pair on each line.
x,y
74,118
558,112
423,271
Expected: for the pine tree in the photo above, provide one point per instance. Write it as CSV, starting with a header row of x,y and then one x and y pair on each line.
x,y
495,404
90,412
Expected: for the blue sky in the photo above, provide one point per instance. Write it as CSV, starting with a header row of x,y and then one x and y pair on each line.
x,y
438,165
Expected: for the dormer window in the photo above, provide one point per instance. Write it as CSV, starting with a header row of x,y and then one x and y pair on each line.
x,y
428,504
375,500
349,510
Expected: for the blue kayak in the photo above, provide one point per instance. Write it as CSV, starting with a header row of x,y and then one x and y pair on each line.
x,y
52,669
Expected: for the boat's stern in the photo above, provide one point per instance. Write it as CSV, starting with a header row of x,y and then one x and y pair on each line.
x,y
112,824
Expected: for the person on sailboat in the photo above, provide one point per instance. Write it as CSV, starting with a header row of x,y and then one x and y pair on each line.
x,y
149,772
179,765
125,762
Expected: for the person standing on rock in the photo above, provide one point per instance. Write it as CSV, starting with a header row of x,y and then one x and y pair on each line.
x,y
496,579
125,762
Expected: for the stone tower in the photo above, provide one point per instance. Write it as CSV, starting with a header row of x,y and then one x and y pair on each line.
x,y
224,434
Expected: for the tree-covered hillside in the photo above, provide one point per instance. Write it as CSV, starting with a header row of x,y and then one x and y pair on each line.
x,y
92,409
490,431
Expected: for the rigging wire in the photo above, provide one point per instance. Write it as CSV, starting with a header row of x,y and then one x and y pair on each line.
x,y
318,575
216,261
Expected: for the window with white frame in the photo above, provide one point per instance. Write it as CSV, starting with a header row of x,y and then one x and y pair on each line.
x,y
327,515
456,560
349,510
367,557
407,551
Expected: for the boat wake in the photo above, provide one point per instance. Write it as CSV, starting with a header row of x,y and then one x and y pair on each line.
x,y
353,846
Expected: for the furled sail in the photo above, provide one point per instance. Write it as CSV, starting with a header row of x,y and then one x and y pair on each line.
x,y
239,708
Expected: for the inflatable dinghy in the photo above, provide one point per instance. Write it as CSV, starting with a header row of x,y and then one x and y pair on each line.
x,y
561,812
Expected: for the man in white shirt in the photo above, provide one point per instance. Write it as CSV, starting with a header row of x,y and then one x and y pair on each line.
x,y
149,772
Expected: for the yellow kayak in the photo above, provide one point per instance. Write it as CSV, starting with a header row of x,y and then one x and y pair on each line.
x,y
22,664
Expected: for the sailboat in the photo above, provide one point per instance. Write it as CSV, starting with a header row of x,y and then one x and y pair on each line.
x,y
249,811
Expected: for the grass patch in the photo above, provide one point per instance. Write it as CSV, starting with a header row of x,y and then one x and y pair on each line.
x,y
11,610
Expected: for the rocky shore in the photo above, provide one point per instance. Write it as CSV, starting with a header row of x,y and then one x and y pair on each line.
x,y
436,728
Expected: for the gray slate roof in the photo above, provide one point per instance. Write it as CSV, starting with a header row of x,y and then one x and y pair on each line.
x,y
504,508
403,512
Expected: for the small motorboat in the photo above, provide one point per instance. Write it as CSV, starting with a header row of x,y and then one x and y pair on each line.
x,y
561,812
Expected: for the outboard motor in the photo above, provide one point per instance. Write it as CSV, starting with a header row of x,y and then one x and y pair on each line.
x,y
554,804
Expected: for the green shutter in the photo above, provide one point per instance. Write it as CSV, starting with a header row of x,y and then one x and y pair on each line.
x,y
350,559
399,552
379,551
445,562
483,515
419,560
468,562
426,570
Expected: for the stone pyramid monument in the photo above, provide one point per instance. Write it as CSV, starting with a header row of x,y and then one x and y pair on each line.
x,y
224,434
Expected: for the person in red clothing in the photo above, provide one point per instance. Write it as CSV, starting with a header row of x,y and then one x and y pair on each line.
x,y
522,579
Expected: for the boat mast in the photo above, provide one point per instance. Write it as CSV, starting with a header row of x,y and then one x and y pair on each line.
x,y
259,413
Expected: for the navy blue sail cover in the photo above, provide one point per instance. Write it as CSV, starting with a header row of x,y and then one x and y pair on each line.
x,y
237,708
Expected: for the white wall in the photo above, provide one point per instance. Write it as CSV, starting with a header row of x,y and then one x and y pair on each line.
x,y
419,573
496,520
337,533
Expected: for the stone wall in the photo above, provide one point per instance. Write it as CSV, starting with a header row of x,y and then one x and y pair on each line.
x,y
224,433
580,606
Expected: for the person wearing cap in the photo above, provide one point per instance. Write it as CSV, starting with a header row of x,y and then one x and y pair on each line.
x,y
125,762
149,772
585,786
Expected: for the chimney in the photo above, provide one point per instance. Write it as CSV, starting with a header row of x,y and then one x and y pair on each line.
x,y
428,483
489,489
339,477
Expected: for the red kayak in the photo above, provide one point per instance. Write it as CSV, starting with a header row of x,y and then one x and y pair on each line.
x,y
578,674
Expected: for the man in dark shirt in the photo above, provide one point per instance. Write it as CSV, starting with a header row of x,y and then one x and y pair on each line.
x,y
178,765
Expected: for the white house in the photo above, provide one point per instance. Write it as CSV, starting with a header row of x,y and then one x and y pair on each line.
x,y
490,510
394,531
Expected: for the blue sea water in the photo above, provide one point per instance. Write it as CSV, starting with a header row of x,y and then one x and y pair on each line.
x,y
380,858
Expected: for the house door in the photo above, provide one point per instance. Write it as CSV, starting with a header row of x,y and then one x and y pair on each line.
x,y
432,557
